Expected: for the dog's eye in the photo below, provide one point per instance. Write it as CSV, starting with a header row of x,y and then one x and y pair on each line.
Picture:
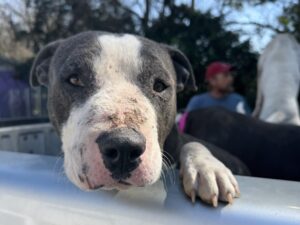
x,y
75,80
159,86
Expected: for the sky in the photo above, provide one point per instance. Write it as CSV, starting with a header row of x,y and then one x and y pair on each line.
x,y
263,14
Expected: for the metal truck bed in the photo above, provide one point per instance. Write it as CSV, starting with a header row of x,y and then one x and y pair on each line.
x,y
34,190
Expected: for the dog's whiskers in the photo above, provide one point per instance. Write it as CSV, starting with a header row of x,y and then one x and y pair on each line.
x,y
163,175
166,176
169,157
169,168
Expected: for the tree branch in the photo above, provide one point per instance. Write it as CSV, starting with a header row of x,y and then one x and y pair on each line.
x,y
128,9
145,19
264,26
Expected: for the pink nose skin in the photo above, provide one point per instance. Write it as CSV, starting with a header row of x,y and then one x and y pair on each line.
x,y
121,149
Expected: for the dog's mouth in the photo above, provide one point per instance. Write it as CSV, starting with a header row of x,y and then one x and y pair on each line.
x,y
124,182
97,187
119,185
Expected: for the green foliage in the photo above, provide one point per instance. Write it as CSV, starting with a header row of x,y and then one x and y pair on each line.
x,y
283,20
290,20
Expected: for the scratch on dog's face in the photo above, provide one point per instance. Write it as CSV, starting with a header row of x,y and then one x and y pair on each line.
x,y
121,96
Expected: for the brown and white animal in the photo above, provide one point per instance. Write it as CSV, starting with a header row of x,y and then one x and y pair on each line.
x,y
278,81
112,99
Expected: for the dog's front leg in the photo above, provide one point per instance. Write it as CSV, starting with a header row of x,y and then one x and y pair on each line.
x,y
205,176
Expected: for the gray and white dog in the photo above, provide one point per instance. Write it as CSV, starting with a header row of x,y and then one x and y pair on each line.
x,y
112,99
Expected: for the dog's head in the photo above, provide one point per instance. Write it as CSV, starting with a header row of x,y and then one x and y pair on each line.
x,y
112,98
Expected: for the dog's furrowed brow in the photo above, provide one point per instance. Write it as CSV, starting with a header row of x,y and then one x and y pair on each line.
x,y
77,63
153,66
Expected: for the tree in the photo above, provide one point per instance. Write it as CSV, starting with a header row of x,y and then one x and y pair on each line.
x,y
37,22
203,38
290,20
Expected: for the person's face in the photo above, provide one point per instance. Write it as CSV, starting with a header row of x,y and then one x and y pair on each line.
x,y
222,82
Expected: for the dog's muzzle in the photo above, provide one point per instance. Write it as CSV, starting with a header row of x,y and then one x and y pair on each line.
x,y
121,150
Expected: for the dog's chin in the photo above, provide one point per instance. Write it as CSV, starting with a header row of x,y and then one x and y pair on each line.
x,y
118,186
123,186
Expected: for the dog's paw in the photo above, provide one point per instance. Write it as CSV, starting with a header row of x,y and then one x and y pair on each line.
x,y
205,176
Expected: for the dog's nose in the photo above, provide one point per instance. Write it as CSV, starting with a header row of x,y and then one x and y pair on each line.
x,y
121,149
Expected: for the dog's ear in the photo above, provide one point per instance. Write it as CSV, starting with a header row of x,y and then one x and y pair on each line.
x,y
40,68
184,71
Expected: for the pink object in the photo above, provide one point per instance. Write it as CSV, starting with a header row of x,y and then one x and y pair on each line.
x,y
182,122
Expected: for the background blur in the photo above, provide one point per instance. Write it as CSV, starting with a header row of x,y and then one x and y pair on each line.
x,y
233,31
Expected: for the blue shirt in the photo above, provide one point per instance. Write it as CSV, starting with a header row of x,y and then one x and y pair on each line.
x,y
232,101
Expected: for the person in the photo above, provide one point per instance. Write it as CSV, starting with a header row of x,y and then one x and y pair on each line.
x,y
220,82
219,77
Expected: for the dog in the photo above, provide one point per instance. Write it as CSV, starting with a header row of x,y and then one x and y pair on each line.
x,y
278,81
268,150
112,100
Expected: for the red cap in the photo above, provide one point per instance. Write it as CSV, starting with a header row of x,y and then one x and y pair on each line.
x,y
215,68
